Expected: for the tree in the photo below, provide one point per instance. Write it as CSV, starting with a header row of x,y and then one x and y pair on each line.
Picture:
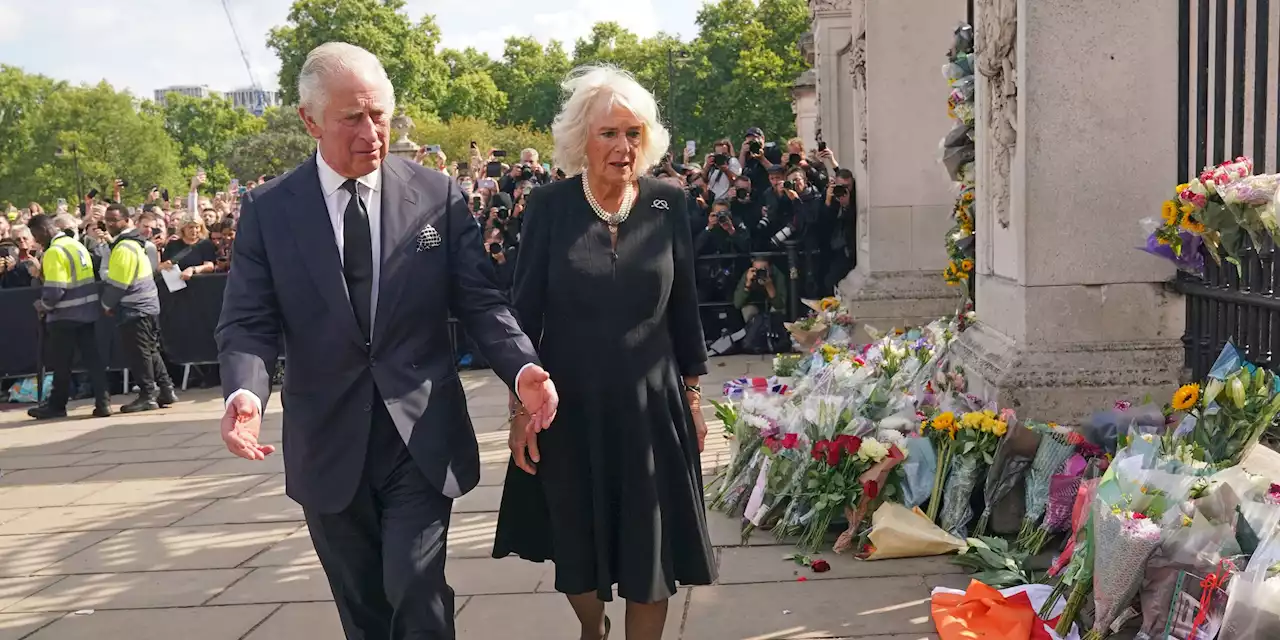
x,y
455,137
113,139
406,50
205,130
474,95
530,75
468,60
282,145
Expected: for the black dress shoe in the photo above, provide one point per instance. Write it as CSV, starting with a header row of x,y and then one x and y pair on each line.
x,y
167,397
143,403
45,412
102,411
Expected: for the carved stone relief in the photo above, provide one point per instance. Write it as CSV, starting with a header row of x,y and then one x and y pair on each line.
x,y
996,49
827,6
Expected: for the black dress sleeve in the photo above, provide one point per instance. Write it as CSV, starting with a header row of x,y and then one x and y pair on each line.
x,y
683,320
529,284
206,252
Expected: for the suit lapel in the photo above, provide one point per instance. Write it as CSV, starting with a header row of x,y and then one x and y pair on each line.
x,y
313,232
398,237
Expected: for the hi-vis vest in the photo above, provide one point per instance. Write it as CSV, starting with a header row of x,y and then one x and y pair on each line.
x,y
70,291
130,279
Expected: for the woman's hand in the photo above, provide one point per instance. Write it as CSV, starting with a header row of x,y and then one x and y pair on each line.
x,y
165,265
522,438
188,272
699,422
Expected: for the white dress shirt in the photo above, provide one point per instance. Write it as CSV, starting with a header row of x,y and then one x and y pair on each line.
x,y
335,199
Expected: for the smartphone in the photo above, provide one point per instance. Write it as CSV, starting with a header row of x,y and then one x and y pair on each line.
x,y
234,187
93,193
433,148
473,144
493,169
164,194
690,146
488,183
822,146
499,153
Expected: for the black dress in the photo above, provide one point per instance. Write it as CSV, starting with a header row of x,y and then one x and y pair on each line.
x,y
618,494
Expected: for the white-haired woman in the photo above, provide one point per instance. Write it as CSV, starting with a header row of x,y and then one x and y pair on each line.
x,y
604,285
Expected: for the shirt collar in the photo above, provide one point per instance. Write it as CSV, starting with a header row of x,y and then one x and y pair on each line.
x,y
331,181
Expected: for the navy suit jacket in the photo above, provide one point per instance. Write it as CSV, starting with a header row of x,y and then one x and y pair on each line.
x,y
287,289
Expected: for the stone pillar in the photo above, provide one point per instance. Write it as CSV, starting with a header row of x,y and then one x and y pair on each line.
x,y
404,147
1076,141
904,199
804,102
832,45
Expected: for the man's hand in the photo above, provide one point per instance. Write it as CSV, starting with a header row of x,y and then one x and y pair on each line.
x,y
727,225
522,438
538,394
750,279
792,194
33,267
712,221
240,427
188,273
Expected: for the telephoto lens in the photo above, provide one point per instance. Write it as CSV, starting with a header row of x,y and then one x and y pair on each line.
x,y
503,214
782,236
789,185
495,248
742,193
839,191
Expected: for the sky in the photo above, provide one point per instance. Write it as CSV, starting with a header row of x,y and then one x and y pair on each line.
x,y
144,45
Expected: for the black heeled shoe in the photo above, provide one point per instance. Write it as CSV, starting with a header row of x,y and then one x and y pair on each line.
x,y
607,627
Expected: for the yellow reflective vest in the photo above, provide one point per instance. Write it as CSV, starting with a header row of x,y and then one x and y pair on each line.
x,y
70,292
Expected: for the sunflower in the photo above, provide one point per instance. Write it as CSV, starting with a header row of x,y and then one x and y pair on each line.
x,y
1169,211
1186,397
1191,225
966,265
944,421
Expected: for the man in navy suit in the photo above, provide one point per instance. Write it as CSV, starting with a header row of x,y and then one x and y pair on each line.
x,y
353,262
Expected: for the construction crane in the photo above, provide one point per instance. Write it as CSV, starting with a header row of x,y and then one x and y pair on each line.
x,y
244,55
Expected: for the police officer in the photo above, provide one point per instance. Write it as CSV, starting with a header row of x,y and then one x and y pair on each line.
x,y
69,304
130,294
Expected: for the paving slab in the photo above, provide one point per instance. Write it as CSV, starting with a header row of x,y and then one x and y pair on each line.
x,y
100,517
26,554
547,616
144,590
293,583
293,550
47,495
492,475
246,511
768,564
14,589
222,463
149,470
219,547
477,500
50,475
272,486
147,443
482,576
471,534
195,623
811,609
154,455
15,626
310,620
158,489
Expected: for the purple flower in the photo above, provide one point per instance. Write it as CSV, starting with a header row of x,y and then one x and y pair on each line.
x,y
1190,261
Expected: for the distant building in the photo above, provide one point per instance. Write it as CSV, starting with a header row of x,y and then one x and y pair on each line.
x,y
195,91
254,100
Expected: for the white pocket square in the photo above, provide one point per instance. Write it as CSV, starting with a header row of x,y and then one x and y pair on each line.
x,y
428,238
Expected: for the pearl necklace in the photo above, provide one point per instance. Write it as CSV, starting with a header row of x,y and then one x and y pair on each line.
x,y
611,219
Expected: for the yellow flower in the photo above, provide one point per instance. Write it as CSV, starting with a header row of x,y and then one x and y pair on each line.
x,y
1192,225
968,196
966,265
1180,188
830,303
1000,429
1162,240
1169,211
944,421
1186,397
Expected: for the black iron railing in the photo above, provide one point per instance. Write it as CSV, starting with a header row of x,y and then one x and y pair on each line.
x,y
1222,113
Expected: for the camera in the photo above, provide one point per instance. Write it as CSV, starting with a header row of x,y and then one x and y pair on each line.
x,y
782,235
742,193
123,184
526,173
495,248
762,277
722,217
503,214
755,147
476,202
793,159
839,191
720,159
789,185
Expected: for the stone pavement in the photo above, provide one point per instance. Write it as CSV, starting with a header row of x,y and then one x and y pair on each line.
x,y
145,528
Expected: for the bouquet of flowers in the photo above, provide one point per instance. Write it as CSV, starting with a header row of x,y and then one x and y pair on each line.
x,y
941,431
977,436
1056,446
832,482
1062,495
1239,403
1002,476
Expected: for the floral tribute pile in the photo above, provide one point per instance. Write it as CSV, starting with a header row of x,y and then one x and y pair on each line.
x,y
1156,521
1215,214
958,155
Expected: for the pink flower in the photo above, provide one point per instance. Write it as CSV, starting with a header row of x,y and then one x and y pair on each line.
x,y
1123,405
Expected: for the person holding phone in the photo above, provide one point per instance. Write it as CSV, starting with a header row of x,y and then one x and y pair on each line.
x,y
192,254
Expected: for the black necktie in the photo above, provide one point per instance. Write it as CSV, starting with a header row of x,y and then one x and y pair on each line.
x,y
357,257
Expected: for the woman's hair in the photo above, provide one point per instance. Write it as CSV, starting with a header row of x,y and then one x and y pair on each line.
x,y
592,91
196,221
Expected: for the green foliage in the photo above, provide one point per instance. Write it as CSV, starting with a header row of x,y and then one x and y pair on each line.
x,y
406,50
113,139
455,136
282,144
530,74
205,130
474,95
994,563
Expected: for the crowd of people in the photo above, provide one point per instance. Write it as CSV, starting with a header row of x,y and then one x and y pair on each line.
x,y
745,203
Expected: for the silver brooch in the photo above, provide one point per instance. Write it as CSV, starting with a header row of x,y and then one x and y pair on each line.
x,y
428,238
661,204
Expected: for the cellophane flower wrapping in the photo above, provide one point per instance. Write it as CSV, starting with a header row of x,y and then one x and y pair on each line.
x,y
1062,494
1002,476
1052,454
1135,509
957,510
1253,602
1239,402
759,414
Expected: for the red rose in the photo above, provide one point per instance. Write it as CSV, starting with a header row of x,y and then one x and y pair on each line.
x,y
849,444
870,489
820,449
833,456
1139,516
772,443
790,441
820,566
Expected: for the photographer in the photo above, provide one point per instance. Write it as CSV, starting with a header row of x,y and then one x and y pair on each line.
x,y
722,234
840,227
789,206
762,299
721,168
755,162
503,256
19,259
746,207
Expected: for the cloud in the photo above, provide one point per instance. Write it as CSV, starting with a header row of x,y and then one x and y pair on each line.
x,y
10,23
